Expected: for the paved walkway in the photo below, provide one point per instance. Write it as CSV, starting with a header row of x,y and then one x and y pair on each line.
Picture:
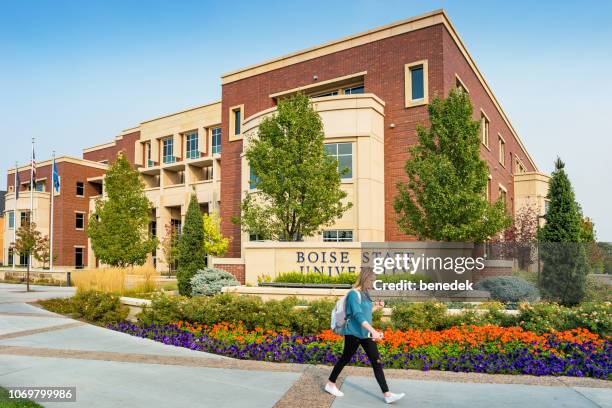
x,y
112,369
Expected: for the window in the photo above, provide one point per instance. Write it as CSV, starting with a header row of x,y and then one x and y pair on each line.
x,y
216,140
80,189
11,220
253,179
256,237
148,153
207,173
25,218
175,226
10,256
460,85
343,152
519,166
546,206
235,122
153,228
79,221
488,190
78,257
358,89
415,83
484,129
168,150
502,194
327,93
338,236
502,150
40,186
237,114
191,150
23,259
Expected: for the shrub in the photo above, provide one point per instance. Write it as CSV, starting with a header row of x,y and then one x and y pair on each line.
x,y
210,281
251,311
509,289
93,306
99,307
542,317
427,315
314,277
595,316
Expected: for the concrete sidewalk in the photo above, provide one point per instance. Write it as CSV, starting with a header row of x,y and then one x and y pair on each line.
x,y
40,348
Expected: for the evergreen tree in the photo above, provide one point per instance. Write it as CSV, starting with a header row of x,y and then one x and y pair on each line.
x,y
298,183
444,198
119,227
563,277
190,254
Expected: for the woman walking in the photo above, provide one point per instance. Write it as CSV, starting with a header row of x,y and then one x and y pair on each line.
x,y
359,331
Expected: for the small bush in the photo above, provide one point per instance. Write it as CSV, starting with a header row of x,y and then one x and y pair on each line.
x,y
99,307
427,315
509,289
94,306
210,281
313,277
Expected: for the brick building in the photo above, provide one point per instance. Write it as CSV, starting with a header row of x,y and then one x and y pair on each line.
x,y
371,90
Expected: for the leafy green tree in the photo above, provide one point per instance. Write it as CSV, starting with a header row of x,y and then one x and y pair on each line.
x,y
27,243
563,276
169,246
298,183
119,227
214,243
190,254
444,198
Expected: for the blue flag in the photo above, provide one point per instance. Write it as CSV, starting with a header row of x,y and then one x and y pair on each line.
x,y
56,180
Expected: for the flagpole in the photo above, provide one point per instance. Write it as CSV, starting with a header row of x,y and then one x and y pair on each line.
x,y
15,213
32,187
51,223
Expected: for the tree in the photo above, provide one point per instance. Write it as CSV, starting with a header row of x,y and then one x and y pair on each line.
x,y
190,255
444,198
214,243
519,240
169,245
119,227
27,242
594,254
298,183
43,253
563,276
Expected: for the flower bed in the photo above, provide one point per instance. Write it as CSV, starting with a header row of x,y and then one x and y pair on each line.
x,y
481,349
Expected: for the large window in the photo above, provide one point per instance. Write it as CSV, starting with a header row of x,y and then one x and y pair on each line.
x,y
415,83
79,221
216,140
39,186
191,150
484,129
168,150
80,189
11,219
338,236
79,257
343,152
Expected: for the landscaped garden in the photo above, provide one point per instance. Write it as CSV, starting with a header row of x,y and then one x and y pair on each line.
x,y
540,339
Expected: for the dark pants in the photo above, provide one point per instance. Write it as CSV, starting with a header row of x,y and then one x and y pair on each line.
x,y
351,344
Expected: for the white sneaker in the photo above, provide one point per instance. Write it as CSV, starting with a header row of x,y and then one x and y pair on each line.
x,y
333,390
394,397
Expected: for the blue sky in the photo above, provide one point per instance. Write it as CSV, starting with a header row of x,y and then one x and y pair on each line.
x,y
73,74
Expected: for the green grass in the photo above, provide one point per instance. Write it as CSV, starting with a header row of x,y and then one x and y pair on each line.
x,y
6,402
